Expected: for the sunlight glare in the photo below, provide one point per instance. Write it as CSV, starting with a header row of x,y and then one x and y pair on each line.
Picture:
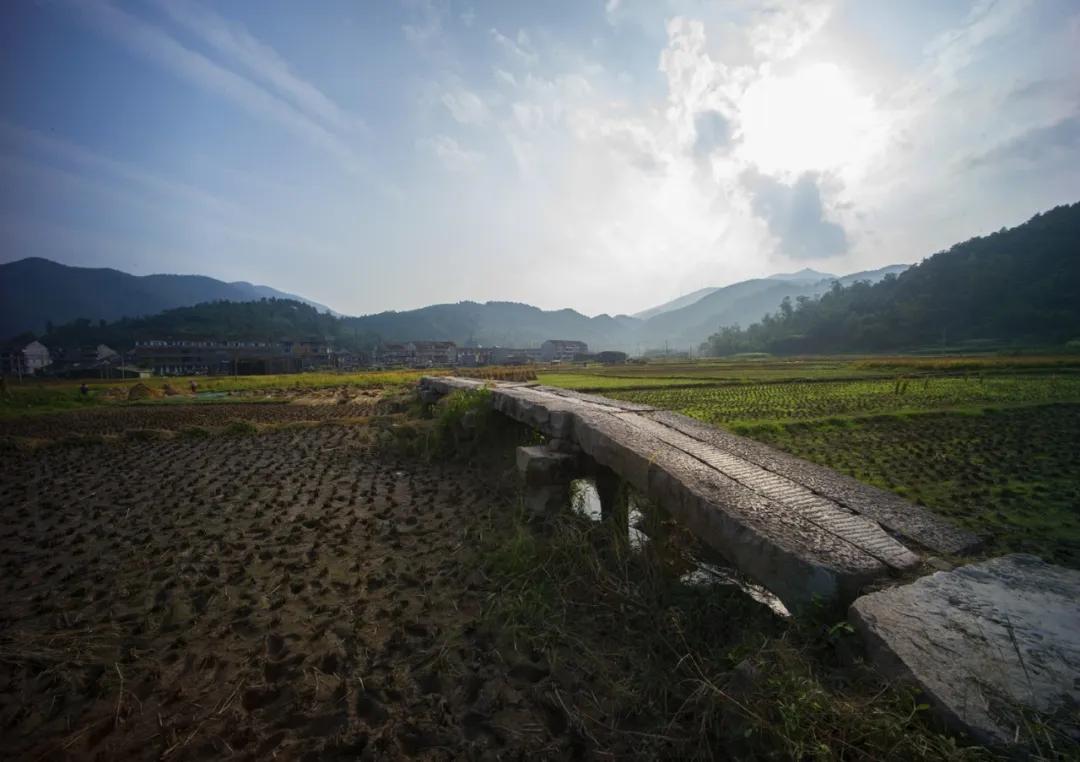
x,y
811,120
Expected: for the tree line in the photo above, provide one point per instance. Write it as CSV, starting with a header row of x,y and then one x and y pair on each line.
x,y
266,319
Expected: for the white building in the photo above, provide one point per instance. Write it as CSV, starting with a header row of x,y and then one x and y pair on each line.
x,y
35,357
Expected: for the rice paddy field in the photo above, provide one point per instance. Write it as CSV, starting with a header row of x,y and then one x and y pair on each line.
x,y
992,443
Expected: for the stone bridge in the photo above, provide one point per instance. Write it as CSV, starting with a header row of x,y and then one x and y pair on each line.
x,y
802,531
990,644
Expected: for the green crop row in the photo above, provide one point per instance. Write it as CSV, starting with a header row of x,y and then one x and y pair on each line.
x,y
779,402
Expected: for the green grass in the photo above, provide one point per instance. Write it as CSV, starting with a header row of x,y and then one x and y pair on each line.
x,y
659,669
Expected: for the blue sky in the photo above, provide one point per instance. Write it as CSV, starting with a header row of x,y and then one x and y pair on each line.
x,y
603,156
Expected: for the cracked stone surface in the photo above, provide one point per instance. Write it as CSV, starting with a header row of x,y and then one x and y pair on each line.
x,y
988,643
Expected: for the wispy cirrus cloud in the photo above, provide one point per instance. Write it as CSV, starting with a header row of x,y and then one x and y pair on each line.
x,y
465,106
237,44
1044,144
521,49
155,44
26,142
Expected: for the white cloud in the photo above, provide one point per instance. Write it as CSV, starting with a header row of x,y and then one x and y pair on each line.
x,y
529,116
466,107
505,77
782,28
521,49
452,154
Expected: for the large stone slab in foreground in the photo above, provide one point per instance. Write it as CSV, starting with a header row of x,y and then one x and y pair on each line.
x,y
985,642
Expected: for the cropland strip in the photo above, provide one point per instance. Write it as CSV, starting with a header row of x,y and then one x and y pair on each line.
x,y
117,420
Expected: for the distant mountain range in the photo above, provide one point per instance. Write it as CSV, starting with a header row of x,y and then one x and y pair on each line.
x,y
35,291
1017,285
689,320
681,323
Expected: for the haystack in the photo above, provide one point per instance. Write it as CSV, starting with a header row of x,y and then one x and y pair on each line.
x,y
142,392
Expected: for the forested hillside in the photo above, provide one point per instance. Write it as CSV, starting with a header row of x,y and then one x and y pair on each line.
x,y
1019,286
267,319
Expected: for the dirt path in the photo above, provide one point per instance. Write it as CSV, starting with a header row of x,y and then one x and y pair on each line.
x,y
287,594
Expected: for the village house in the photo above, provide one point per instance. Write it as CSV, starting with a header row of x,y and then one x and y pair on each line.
x,y
309,354
348,360
186,357
562,350
473,357
35,357
429,353
84,361
393,355
24,360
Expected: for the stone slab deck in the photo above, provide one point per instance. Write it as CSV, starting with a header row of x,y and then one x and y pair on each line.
x,y
801,530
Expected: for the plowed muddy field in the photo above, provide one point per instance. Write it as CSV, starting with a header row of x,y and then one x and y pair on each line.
x,y
290,594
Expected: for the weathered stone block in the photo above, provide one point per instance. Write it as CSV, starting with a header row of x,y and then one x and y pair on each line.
x,y
986,642
540,466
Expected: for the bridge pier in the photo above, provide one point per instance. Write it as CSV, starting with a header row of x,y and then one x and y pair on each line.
x,y
546,475
547,472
